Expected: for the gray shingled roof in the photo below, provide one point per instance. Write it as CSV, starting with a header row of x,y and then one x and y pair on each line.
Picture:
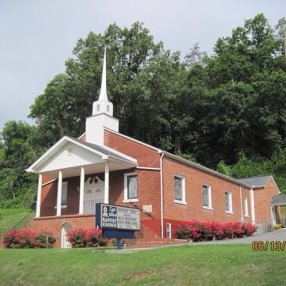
x,y
256,182
104,150
278,200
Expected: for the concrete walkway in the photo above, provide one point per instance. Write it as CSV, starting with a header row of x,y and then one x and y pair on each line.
x,y
278,235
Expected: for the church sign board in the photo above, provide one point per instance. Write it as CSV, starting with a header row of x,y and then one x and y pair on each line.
x,y
117,222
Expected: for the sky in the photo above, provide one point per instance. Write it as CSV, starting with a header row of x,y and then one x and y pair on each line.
x,y
38,36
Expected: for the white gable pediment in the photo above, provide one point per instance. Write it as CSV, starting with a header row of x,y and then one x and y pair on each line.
x,y
68,156
69,153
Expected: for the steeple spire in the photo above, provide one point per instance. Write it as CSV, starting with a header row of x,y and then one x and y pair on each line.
x,y
102,114
103,93
102,105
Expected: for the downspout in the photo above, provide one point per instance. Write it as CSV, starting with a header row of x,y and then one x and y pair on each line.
x,y
161,195
241,202
252,206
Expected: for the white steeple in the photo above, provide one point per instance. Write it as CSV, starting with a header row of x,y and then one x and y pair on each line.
x,y
102,114
103,93
102,104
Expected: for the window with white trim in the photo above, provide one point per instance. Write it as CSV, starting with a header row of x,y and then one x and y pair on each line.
x,y
130,187
207,197
245,207
64,194
179,189
228,202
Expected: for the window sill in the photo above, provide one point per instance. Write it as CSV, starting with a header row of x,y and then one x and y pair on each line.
x,y
229,212
130,201
180,202
62,207
208,208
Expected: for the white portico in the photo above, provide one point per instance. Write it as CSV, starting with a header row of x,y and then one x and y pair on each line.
x,y
70,158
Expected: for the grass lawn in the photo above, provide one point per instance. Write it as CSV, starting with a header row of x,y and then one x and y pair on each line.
x,y
179,265
11,218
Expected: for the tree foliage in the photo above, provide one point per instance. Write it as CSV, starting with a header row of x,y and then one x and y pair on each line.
x,y
17,152
225,111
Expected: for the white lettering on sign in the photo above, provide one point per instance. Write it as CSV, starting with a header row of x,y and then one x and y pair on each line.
x,y
120,217
128,218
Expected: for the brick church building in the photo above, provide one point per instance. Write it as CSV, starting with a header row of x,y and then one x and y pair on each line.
x,y
106,166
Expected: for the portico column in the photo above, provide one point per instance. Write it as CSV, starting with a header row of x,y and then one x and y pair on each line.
x,y
81,190
106,183
252,205
59,195
273,212
39,195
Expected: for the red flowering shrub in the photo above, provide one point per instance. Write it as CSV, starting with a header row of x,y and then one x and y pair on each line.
x,y
228,230
9,238
198,231
234,229
195,231
183,231
238,229
16,238
94,238
81,237
44,240
190,230
249,229
77,237
217,230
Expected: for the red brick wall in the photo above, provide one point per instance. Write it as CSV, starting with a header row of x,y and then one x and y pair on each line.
x,y
146,156
194,179
49,198
117,186
148,180
262,199
54,224
148,190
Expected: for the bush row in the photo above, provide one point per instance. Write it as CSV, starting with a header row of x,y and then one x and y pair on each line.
x,y
16,238
200,231
81,237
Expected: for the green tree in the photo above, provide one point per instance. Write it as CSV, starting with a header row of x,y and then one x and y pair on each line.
x,y
269,112
245,82
139,77
17,153
51,111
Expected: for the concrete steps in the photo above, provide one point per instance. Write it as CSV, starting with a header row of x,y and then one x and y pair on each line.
x,y
150,239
